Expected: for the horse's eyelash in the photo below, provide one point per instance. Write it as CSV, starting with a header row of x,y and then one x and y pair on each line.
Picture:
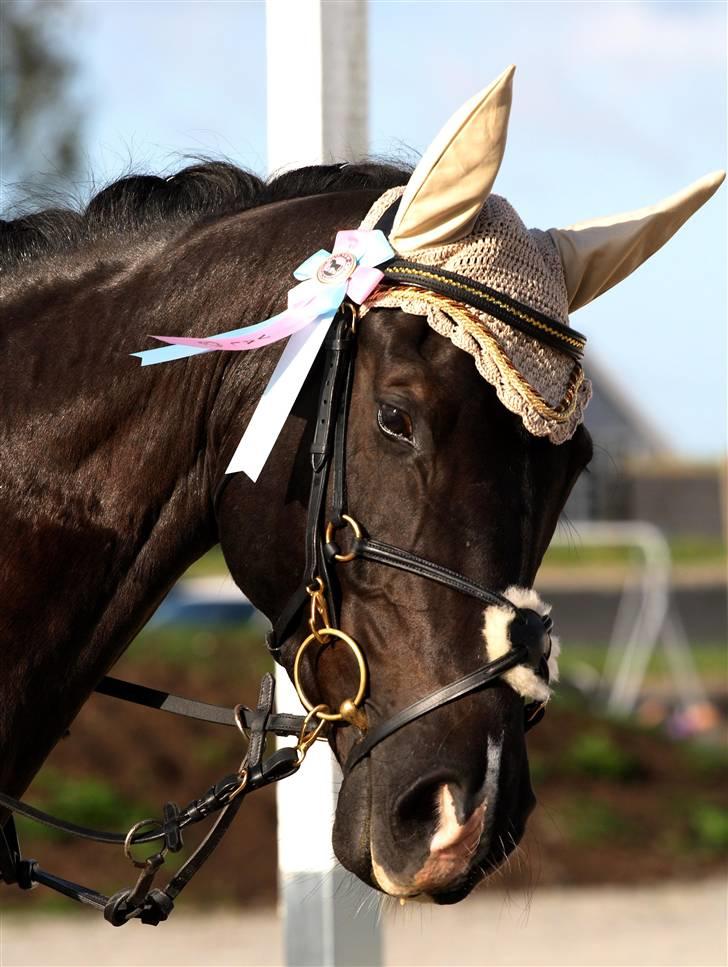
x,y
389,433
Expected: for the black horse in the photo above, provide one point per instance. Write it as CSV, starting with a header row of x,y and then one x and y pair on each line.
x,y
108,474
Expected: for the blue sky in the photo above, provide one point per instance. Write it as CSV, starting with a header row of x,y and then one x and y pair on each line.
x,y
615,106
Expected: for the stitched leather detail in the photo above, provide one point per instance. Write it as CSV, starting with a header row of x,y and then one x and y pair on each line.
x,y
443,696
383,553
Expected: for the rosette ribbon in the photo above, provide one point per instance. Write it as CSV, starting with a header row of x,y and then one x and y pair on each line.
x,y
325,280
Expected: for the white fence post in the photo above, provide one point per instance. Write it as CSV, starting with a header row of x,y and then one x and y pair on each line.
x,y
317,113
644,617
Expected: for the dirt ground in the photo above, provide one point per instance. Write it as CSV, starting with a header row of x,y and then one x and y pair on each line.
x,y
676,925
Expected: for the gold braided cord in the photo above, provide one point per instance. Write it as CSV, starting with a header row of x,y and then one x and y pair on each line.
x,y
421,273
488,343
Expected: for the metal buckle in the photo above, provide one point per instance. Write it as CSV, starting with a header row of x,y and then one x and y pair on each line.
x,y
157,858
331,527
319,610
308,736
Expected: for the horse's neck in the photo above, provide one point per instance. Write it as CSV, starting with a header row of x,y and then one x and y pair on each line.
x,y
106,473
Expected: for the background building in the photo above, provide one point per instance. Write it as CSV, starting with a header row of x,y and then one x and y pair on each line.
x,y
636,474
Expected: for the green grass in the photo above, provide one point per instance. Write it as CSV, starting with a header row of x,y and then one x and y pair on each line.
x,y
598,756
684,550
709,827
697,825
689,550
589,822
209,564
709,656
86,801
193,645
702,760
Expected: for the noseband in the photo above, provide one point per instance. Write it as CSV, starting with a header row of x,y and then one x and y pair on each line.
x,y
529,632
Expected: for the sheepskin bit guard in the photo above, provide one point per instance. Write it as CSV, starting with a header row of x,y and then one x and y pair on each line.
x,y
496,626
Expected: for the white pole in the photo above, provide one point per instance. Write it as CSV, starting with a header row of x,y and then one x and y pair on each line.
x,y
317,113
294,73
316,67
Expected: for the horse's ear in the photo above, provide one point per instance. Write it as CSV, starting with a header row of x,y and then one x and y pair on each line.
x,y
451,183
599,253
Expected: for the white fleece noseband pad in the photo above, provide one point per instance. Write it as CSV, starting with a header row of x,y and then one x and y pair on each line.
x,y
496,632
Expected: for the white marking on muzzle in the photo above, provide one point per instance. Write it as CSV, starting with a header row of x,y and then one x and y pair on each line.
x,y
453,844
451,837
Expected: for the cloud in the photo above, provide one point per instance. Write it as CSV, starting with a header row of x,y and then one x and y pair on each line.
x,y
663,34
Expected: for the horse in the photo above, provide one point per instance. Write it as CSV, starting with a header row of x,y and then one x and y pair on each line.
x,y
112,483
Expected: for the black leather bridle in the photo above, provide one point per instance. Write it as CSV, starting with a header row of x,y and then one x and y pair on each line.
x,y
529,632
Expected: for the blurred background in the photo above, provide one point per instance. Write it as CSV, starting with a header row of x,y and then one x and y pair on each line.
x,y
615,107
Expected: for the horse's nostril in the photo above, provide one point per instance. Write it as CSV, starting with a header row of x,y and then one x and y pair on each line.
x,y
417,808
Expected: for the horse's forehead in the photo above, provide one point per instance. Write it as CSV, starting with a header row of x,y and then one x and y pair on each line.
x,y
544,386
403,353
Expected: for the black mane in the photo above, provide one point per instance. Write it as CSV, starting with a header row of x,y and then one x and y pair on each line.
x,y
204,190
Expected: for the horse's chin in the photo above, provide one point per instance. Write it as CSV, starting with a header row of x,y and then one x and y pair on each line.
x,y
483,867
484,864
357,855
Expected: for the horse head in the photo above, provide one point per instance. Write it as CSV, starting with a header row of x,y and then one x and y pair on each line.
x,y
463,466
395,531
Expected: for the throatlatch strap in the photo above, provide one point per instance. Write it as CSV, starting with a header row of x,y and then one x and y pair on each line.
x,y
337,372
338,470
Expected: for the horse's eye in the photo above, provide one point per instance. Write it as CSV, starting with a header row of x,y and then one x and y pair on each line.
x,y
395,422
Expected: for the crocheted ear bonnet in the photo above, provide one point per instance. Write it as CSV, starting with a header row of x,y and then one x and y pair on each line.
x,y
496,289
543,385
446,248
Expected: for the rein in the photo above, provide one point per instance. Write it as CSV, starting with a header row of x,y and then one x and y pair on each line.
x,y
225,797
529,634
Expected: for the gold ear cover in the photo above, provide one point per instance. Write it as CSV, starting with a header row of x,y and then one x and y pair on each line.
x,y
450,185
599,253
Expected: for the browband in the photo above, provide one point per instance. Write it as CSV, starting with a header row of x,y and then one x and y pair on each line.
x,y
529,321
479,296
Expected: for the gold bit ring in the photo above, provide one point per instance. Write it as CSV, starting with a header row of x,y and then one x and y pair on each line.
x,y
331,527
361,664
